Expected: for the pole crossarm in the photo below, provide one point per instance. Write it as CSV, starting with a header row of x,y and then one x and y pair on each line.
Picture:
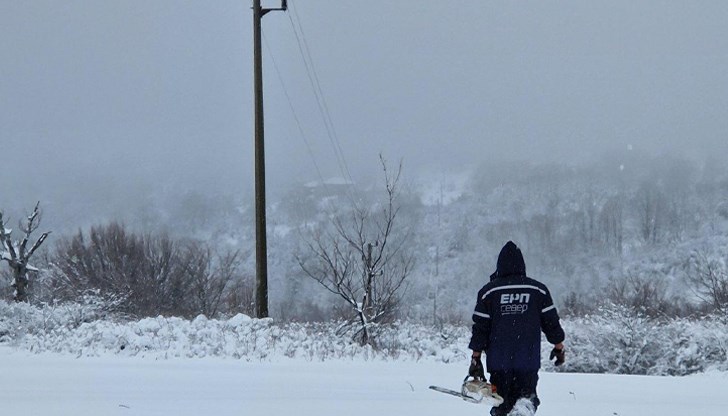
x,y
283,8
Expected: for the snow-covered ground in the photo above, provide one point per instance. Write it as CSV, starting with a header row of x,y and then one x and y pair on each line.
x,y
50,384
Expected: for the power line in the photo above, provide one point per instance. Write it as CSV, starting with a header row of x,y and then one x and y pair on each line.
x,y
318,85
318,93
293,110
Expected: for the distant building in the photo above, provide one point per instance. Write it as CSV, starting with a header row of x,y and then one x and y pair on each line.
x,y
329,187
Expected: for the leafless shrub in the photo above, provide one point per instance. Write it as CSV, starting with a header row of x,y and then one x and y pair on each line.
x,y
154,275
644,294
709,279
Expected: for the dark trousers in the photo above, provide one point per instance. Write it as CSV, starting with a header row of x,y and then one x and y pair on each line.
x,y
514,385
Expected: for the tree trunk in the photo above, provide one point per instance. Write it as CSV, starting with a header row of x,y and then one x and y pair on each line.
x,y
364,328
20,283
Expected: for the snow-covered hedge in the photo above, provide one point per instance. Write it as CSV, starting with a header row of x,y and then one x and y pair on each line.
x,y
73,328
618,340
614,341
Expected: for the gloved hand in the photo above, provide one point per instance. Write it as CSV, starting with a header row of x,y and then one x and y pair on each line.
x,y
559,354
476,369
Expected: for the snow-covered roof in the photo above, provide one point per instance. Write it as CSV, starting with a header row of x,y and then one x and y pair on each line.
x,y
336,181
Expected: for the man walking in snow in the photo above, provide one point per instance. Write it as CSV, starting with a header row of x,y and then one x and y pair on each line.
x,y
511,312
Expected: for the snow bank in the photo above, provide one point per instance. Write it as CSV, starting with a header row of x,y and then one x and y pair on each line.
x,y
240,337
72,329
614,341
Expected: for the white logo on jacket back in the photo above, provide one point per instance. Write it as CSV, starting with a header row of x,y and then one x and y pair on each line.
x,y
514,303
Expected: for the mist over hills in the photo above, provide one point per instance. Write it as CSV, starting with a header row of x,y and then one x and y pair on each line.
x,y
584,228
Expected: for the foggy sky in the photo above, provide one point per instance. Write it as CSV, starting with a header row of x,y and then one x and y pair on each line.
x,y
105,96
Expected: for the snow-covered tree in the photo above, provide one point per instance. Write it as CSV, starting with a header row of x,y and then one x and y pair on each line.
x,y
17,254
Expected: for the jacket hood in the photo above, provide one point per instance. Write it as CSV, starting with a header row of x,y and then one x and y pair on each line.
x,y
510,262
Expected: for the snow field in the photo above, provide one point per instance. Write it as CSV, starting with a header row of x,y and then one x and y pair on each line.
x,y
54,384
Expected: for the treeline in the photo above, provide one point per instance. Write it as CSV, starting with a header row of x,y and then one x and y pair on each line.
x,y
645,232
648,233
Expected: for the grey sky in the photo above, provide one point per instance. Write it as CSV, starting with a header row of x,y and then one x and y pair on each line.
x,y
98,92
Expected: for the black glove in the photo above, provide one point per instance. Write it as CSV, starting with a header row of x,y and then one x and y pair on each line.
x,y
476,369
559,354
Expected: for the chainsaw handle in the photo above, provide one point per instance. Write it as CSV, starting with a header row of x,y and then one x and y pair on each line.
x,y
467,378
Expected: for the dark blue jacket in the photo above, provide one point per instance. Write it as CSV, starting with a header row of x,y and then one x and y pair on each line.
x,y
511,312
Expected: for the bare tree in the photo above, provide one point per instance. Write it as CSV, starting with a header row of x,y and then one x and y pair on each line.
x,y
363,258
645,294
210,275
612,224
152,274
240,296
650,203
17,254
709,279
108,258
161,286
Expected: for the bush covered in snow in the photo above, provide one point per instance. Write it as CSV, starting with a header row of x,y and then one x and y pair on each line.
x,y
18,320
616,340
619,340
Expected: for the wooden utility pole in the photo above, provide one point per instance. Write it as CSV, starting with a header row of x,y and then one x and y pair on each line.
x,y
261,249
